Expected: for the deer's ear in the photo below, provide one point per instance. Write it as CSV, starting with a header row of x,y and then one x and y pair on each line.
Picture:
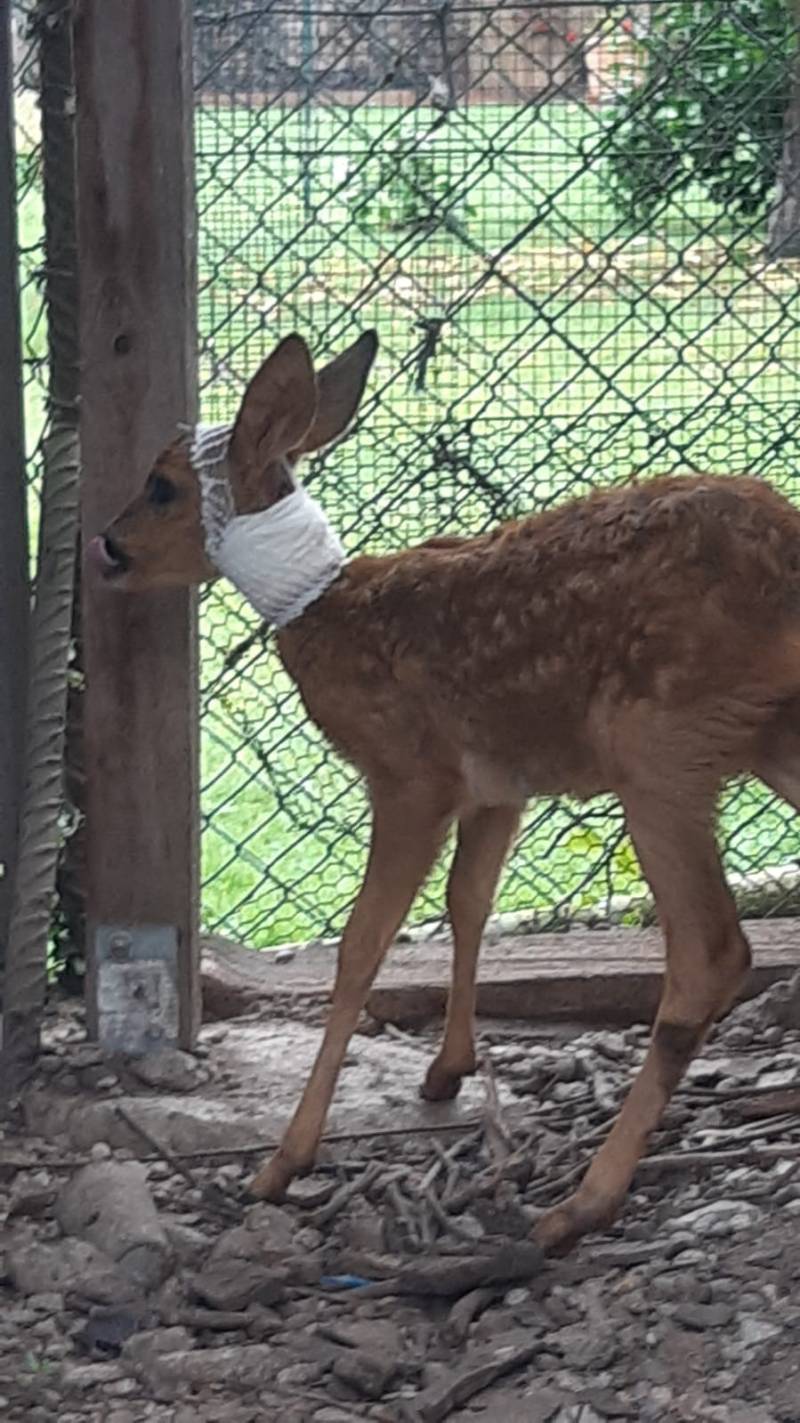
x,y
340,386
278,408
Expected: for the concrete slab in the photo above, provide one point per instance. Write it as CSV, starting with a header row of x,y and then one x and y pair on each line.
x,y
259,1071
590,976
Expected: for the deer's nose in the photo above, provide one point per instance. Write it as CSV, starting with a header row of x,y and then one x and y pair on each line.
x,y
106,555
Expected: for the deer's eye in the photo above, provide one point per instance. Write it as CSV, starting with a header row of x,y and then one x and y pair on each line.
x,y
160,490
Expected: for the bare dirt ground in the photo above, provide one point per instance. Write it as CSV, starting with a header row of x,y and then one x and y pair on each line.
x,y
399,1282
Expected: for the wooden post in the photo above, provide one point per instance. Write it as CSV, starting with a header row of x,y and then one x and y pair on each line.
x,y
14,592
136,262
783,222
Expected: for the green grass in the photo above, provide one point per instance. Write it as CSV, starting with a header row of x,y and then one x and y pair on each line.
x,y
588,353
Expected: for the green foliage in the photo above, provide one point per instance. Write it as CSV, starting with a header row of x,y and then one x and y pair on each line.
x,y
708,108
407,188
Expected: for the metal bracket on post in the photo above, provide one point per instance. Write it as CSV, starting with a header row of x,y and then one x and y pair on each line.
x,y
137,987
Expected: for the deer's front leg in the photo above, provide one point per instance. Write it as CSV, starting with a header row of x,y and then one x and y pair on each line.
x,y
408,828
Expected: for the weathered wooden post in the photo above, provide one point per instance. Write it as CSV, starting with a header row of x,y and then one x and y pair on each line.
x,y
136,263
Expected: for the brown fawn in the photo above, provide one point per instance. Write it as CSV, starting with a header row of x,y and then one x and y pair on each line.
x,y
643,641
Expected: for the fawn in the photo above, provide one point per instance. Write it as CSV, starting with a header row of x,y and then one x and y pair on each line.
x,y
643,641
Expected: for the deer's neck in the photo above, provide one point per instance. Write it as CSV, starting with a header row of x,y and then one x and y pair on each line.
x,y
281,559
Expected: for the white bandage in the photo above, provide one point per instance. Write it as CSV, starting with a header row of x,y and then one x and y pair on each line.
x,y
208,454
281,559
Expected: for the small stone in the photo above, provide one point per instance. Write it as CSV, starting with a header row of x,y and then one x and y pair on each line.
x,y
680,1240
567,1091
145,1346
676,1285
706,1070
703,1316
723,1380
38,1268
774,1081
586,1349
738,1036
567,1067
215,1035
110,1205
82,1377
263,1322
123,1388
368,1374
541,1404
688,1258
284,955
301,1375
772,1035
627,1253
468,1225
612,1045
754,1331
719,1218
227,1368
376,1336
189,1244
308,1239
661,1397
106,1082
102,1286
51,1302
59,1349
234,1284
31,1201
87,1055
608,1404
108,1328
275,1226
785,1399
168,1069
101,1151
725,1289
308,1192
306,1269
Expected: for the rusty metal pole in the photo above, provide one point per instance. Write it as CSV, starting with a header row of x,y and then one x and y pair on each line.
x,y
34,880
14,590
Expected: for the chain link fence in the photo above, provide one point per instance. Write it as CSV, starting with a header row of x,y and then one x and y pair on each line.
x,y
575,227
529,202
30,229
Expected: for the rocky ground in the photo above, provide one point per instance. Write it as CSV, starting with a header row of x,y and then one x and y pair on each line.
x,y
399,1283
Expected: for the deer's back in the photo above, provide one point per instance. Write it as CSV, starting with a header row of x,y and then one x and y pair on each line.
x,y
520,656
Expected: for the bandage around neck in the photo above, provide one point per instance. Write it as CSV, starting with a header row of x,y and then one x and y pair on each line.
x,y
281,559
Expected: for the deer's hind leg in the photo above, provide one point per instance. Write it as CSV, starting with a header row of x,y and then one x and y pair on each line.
x,y
707,960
